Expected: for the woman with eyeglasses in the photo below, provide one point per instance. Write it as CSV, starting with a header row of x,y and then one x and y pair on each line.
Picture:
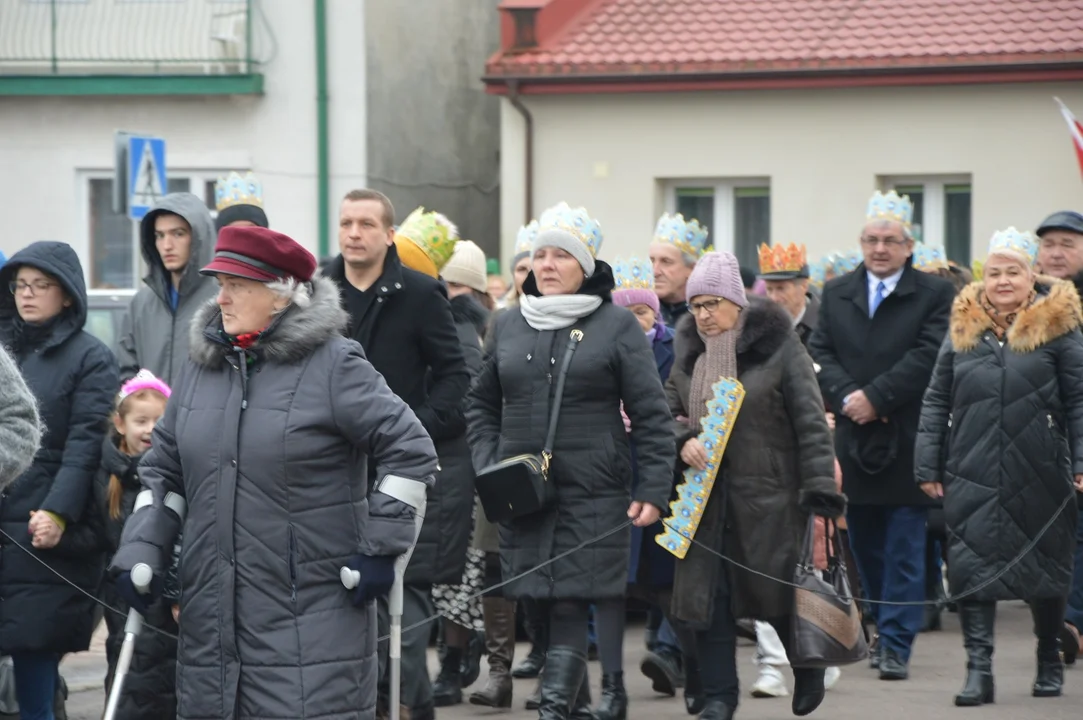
x,y
778,467
44,513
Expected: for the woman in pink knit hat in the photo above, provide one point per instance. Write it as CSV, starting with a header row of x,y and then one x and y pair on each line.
x,y
778,468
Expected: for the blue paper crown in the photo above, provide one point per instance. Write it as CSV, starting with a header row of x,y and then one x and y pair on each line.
x,y
688,236
633,274
890,207
817,273
928,258
575,221
237,190
524,240
1016,242
843,262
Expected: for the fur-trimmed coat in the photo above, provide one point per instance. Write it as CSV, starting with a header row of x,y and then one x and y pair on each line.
x,y
268,446
778,466
1002,429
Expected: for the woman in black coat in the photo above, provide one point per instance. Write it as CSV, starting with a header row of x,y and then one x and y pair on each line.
x,y
1001,440
49,510
508,414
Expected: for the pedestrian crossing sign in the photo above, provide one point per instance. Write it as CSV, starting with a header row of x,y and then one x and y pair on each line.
x,y
146,174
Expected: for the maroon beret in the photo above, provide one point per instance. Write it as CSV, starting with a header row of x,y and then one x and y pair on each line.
x,y
260,254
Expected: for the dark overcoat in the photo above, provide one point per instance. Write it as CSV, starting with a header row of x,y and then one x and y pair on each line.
x,y
1002,429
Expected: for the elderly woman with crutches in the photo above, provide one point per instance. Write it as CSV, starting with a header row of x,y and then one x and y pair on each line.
x,y
266,437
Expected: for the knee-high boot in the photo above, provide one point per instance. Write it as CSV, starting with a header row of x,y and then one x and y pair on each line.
x,y
978,620
1048,614
562,683
500,641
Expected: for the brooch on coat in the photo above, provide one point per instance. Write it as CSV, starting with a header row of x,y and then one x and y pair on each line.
x,y
693,493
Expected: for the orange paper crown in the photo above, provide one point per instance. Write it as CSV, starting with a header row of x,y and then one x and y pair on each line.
x,y
782,258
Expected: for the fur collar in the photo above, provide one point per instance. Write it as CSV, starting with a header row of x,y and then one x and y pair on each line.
x,y
766,328
1055,312
296,334
465,309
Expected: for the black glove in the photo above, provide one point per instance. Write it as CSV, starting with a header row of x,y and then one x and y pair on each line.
x,y
377,576
140,602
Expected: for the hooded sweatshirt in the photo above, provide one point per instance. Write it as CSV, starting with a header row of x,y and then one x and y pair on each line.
x,y
155,335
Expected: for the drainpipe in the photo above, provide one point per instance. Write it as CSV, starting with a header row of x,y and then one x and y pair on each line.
x,y
528,119
323,174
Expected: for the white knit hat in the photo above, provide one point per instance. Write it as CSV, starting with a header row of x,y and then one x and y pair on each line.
x,y
466,266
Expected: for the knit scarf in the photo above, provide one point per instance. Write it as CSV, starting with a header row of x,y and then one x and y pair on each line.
x,y
718,361
556,312
1003,321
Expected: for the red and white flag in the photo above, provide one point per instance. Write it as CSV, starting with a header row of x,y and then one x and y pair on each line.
x,y
1075,128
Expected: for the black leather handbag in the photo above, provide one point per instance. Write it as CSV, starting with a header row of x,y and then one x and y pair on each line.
x,y
827,627
520,485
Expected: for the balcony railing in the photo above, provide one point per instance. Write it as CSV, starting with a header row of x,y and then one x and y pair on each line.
x,y
127,37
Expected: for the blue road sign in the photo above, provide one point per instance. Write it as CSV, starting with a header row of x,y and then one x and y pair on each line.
x,y
146,174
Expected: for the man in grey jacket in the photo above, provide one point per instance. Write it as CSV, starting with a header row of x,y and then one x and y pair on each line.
x,y
176,238
20,427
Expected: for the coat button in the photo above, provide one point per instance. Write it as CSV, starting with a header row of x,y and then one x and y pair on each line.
x,y
383,288
398,286
233,463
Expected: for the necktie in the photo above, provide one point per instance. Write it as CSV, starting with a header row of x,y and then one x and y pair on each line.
x,y
877,298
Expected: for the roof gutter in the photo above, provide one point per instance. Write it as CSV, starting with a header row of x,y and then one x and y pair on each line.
x,y
528,142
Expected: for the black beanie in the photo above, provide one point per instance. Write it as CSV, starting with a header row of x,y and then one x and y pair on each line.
x,y
748,278
233,213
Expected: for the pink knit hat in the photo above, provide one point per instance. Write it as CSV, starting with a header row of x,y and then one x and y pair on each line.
x,y
717,274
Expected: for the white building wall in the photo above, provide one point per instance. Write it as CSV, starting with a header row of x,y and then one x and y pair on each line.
x,y
50,145
823,151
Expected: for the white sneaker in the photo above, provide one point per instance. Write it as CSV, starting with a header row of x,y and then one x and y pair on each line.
x,y
831,677
770,684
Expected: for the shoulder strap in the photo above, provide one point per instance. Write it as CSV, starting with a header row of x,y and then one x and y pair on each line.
x,y
550,437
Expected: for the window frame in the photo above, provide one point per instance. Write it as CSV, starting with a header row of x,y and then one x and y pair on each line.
x,y
934,197
722,236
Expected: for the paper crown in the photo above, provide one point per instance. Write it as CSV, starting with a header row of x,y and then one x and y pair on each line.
x,y
1011,241
789,259
143,380
928,258
574,221
433,233
524,240
688,236
845,262
977,269
890,207
237,190
817,273
633,274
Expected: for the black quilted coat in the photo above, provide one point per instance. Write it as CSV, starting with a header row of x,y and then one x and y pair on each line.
x,y
1002,429
508,414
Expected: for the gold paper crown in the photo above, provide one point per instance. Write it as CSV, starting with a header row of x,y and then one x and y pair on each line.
x,y
790,258
433,233
237,190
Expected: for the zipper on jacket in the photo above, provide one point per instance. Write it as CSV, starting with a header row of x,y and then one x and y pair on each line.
x,y
293,564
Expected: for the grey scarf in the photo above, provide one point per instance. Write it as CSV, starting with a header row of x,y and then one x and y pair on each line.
x,y
556,312
719,361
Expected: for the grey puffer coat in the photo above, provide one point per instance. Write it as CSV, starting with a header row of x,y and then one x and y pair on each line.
x,y
270,455
508,414
1002,429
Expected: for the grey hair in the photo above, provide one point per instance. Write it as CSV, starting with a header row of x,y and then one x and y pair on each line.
x,y
296,292
882,222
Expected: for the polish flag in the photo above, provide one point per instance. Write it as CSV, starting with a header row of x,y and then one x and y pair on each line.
x,y
1075,128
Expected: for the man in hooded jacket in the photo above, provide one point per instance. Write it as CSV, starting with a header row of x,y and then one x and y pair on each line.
x,y
176,238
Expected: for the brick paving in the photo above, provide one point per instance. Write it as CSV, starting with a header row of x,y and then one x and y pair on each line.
x,y
935,675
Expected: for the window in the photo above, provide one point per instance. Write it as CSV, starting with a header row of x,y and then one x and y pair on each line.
x,y
737,213
941,212
115,262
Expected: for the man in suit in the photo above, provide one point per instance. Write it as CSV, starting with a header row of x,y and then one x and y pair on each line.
x,y
879,331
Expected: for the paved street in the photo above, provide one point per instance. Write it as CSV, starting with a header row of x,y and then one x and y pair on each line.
x,y
936,675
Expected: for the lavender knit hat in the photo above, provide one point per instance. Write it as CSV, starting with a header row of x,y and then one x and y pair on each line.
x,y
717,274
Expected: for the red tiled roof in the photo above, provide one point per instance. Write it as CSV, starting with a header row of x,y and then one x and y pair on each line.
x,y
635,38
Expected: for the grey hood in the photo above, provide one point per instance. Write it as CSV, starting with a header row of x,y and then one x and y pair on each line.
x,y
196,214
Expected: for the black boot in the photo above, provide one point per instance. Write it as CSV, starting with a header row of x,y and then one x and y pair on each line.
x,y
977,620
562,683
1048,614
716,710
613,704
538,627
533,700
500,638
581,709
664,670
471,665
694,700
808,690
447,689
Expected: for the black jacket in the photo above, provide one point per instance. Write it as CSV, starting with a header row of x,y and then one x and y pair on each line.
x,y
890,356
1002,429
407,334
508,414
74,377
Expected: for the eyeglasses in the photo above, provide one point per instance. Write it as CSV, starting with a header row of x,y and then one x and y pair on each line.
x,y
886,242
37,287
709,305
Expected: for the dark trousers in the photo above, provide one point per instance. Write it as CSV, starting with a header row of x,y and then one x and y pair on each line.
x,y
35,683
416,606
889,547
1074,614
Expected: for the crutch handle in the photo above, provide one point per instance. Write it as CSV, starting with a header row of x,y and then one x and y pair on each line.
x,y
142,576
350,578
